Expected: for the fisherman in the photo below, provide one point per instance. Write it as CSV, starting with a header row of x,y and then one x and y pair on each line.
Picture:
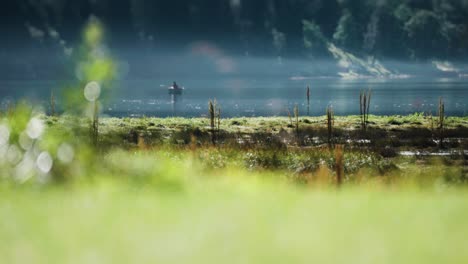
x,y
175,86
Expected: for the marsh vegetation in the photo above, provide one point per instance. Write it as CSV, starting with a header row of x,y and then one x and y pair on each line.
x,y
156,184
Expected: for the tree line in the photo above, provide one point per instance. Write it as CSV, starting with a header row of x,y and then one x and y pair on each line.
x,y
401,29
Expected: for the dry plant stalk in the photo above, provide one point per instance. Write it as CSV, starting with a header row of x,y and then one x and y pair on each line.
x,y
193,143
296,116
431,122
339,159
290,118
321,177
141,142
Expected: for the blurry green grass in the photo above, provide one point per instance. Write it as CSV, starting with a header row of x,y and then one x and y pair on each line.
x,y
229,221
166,207
171,203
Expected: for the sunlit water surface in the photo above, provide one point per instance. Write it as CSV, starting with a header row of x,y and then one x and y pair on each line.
x,y
257,96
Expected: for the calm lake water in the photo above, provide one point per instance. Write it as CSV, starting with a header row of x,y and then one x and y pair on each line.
x,y
245,96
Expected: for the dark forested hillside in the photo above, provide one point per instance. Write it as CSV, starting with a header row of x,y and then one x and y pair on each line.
x,y
396,29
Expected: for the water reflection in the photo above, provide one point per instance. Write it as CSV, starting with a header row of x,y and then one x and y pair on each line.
x,y
175,98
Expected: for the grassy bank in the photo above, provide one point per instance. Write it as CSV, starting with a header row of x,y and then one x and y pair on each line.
x,y
300,155
415,131
272,124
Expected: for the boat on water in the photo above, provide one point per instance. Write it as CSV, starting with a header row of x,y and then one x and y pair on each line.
x,y
175,89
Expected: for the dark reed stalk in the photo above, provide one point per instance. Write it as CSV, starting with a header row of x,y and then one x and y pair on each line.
x,y
441,121
369,96
330,124
364,107
212,112
431,123
95,123
219,119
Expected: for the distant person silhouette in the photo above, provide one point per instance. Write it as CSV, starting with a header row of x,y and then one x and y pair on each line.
x,y
175,86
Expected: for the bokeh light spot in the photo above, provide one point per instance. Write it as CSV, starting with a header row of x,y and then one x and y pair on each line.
x,y
25,169
25,141
92,91
94,32
4,134
44,162
35,128
65,153
3,153
14,154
